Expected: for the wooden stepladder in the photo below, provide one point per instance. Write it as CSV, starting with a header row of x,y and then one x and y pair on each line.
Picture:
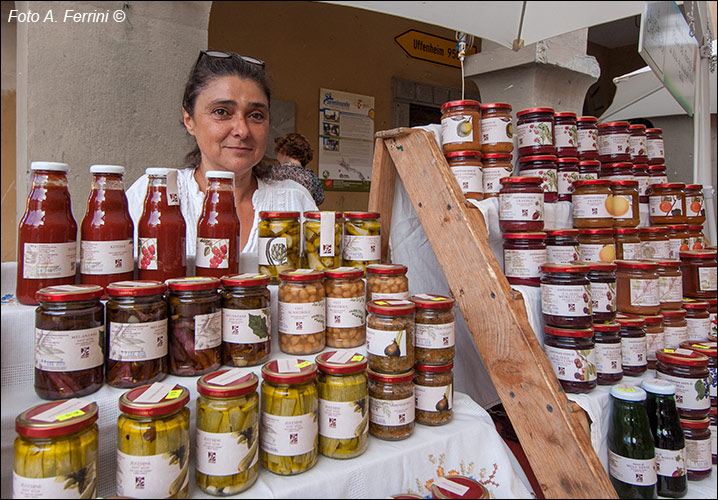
x,y
556,443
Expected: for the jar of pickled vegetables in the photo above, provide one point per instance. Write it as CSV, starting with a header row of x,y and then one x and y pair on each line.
x,y
153,443
461,126
69,320
497,131
678,240
597,245
654,146
588,169
227,439
561,246
466,167
675,327
637,143
624,204
278,243
301,326
654,242
390,335
602,276
628,243
323,233
699,273
391,404
524,254
614,142
362,239
695,204
289,441
608,353
634,350
343,404
567,175
345,298
56,451
565,134
495,166
667,203
434,339
534,131
688,370
640,173
386,281
587,138
434,393
572,356
137,342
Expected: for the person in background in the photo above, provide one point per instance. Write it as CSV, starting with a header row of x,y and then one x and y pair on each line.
x,y
293,153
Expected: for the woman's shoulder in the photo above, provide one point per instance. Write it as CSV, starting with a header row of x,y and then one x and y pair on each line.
x,y
300,175
284,194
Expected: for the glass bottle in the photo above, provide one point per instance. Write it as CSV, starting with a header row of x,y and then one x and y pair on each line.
x,y
218,228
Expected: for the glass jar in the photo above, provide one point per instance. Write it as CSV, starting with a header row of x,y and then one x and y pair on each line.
x,y
670,283
708,349
322,232
654,242
640,174
602,276
565,134
289,404
637,287
434,338
434,393
246,319
588,170
688,370
655,337
634,351
654,146
572,356
391,404
591,203
621,171
534,131
496,166
301,324
628,244
667,203
566,296
442,487
386,281
390,335
698,323
521,204
698,448
218,228
561,246
624,204
699,273
587,138
467,169
695,204
638,144
227,435
524,253
461,126
614,142
607,340
697,240
343,404
362,239
137,343
675,327
278,243
153,437
567,175
346,309
712,310
544,167
70,320
714,434
657,175
597,245
631,449
678,240
195,325
497,131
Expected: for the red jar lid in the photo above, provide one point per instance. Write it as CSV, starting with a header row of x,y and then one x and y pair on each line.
x,y
301,275
611,327
602,266
27,424
709,349
593,231
432,301
564,114
698,305
649,320
193,283
565,268
344,273
175,400
677,227
702,423
526,159
613,124
636,264
634,322
434,368
391,307
135,288
466,102
626,230
654,131
561,232
397,378
685,357
306,371
386,269
498,156
279,215
667,262
567,159
617,165
68,293
694,186
589,163
521,236
534,110
525,180
569,332
656,167
341,364
228,383
697,254
673,313
637,126
318,215
640,166
625,183
496,105
246,279
587,119
592,182
458,154
361,215
695,228
653,229
669,185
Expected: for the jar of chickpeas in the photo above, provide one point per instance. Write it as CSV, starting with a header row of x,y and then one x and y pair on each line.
x,y
322,233
386,281
345,296
301,327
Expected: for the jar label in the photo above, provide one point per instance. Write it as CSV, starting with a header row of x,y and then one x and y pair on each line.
x,y
657,179
565,182
343,419
213,253
457,129
573,365
614,144
622,207
49,260
389,295
638,145
632,470
603,297
654,147
698,454
524,263
608,358
597,253
496,129
69,350
698,328
677,245
222,453
566,300
671,463
107,257
273,251
587,140
55,487
549,176
696,242
712,374
642,184
695,206
707,279
587,176
654,342
492,178
469,179
301,318
590,206
434,336
535,134
250,326
288,436
207,330
561,254
656,249
674,335
391,412
632,251
362,247
566,136
670,289
149,476
633,351
138,341
427,398
520,207
147,253
714,323
665,206
345,313
691,393
644,292
378,340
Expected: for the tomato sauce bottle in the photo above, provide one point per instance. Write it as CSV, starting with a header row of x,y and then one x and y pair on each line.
x,y
161,230
218,228
107,231
47,233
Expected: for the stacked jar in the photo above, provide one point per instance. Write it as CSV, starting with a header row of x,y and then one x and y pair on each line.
x,y
461,140
537,151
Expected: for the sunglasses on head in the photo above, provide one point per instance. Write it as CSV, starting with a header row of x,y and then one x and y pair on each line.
x,y
226,55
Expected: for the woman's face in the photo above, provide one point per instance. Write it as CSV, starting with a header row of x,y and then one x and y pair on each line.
x,y
230,123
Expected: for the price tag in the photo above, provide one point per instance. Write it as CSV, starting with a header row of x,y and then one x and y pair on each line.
x,y
61,411
451,486
155,393
340,357
302,364
67,416
683,352
357,357
230,376
174,394
287,366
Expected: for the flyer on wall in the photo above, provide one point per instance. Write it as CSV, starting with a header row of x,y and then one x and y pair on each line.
x,y
346,140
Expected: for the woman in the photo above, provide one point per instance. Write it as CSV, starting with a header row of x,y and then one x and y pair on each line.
x,y
293,153
226,109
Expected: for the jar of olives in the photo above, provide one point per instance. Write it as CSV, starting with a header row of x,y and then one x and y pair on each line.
x,y
323,233
391,404
434,335
390,335
345,298
386,281
278,243
434,393
362,239
302,312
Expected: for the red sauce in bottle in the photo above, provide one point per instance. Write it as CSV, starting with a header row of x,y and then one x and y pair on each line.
x,y
47,233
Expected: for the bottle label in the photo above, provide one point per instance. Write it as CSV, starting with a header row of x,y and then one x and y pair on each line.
x,y
675,246
671,463
378,340
428,398
172,191
590,206
521,207
221,453
549,176
272,251
469,179
566,136
691,393
362,247
632,251
106,257
388,295
670,289
392,413
674,335
597,253
654,342
212,253
633,351
535,134
496,129
138,341
343,419
345,313
147,253
149,476
642,184
288,436
656,249
707,279
698,454
69,351
249,326
327,234
694,206
571,364
302,318
644,292
654,147
524,263
434,336
665,206
608,358
638,145
566,300
614,144
587,140
55,487
632,470
457,129
565,182
492,178
622,209
561,254
207,331
603,297
698,328
49,260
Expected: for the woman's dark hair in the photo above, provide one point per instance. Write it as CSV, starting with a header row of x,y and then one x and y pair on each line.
x,y
295,146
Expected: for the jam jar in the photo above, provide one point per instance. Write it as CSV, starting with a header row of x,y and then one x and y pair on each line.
x,y
434,393
713,312
386,281
654,146
442,487
714,434
688,370
670,283
695,204
607,340
678,239
633,345
467,169
434,338
621,171
543,166
657,174
637,287
391,404
322,235
597,245
567,175
495,167
566,295
346,309
696,239
698,448
521,204
640,173
565,133
524,253
699,273
602,276
698,323
614,142
588,170
624,203
497,131
362,239
655,337
709,349
461,126
591,204
667,203
534,131
654,242
278,244
628,243
572,356
675,327
637,141
561,246
390,335
587,138
301,318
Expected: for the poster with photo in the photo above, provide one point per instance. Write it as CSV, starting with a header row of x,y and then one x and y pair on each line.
x,y
346,140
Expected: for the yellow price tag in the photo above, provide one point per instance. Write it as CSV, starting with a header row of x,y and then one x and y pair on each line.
x,y
357,357
698,346
66,416
382,303
173,394
625,389
302,364
671,351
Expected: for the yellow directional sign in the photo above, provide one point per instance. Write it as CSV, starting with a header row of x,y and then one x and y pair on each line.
x,y
431,48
